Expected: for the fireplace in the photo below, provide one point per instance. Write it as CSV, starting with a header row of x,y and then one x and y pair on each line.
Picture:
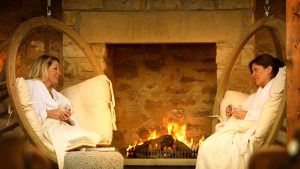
x,y
159,83
164,66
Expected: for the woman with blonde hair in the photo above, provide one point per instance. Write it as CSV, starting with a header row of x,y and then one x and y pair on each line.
x,y
54,109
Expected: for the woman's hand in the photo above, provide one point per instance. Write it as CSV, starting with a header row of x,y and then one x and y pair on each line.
x,y
228,111
59,114
240,114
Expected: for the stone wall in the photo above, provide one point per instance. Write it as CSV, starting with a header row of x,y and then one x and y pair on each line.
x,y
105,23
112,21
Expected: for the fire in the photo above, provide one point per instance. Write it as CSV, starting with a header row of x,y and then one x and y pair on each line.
x,y
176,130
153,135
179,133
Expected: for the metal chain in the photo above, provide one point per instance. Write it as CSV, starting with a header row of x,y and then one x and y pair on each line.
x,y
48,8
267,8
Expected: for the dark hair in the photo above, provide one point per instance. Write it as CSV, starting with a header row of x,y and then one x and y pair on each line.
x,y
266,60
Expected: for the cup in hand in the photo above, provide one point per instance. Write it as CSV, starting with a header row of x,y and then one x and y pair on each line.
x,y
65,107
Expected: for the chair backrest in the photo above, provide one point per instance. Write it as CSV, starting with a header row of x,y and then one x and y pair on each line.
x,y
93,106
273,111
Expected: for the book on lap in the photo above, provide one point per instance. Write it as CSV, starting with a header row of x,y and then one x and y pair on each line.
x,y
85,142
79,143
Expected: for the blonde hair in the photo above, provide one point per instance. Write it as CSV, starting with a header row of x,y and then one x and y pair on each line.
x,y
39,69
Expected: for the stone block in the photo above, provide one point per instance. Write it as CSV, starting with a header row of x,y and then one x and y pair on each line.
x,y
125,5
73,50
223,55
99,49
166,4
247,55
93,159
198,5
70,18
235,4
85,67
82,4
159,27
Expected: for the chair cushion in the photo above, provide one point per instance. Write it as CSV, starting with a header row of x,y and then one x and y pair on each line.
x,y
232,97
31,115
93,106
272,106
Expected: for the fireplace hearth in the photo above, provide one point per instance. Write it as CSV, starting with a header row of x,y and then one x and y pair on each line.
x,y
162,147
159,163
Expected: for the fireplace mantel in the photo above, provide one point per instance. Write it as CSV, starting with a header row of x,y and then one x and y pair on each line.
x,y
162,27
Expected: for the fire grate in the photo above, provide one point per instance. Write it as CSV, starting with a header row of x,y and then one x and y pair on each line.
x,y
162,154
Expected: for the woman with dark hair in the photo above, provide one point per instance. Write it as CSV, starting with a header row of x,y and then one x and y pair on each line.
x,y
229,143
266,60
263,69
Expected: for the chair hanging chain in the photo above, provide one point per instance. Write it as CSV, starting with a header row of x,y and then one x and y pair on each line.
x,y
48,8
267,8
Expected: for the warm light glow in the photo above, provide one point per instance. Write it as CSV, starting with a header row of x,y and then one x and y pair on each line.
x,y
179,133
129,148
201,140
176,130
153,135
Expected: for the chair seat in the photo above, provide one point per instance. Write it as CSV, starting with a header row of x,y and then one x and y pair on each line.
x,y
93,160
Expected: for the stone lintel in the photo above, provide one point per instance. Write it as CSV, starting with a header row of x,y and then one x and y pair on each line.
x,y
162,27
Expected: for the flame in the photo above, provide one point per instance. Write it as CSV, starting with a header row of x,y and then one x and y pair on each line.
x,y
177,131
201,140
153,135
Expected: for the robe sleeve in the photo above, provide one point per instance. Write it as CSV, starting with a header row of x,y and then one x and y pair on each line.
x,y
255,103
64,102
38,101
252,113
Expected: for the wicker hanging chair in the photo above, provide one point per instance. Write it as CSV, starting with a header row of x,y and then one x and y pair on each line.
x,y
276,28
18,36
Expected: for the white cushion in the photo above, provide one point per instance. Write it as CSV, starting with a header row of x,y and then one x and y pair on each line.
x,y
26,102
232,97
93,106
271,107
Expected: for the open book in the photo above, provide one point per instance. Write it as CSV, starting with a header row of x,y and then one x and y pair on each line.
x,y
85,142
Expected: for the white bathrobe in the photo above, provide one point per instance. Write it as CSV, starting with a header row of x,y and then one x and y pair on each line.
x,y
59,133
230,146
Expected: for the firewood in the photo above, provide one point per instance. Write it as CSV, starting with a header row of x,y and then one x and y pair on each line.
x,y
164,146
180,146
156,144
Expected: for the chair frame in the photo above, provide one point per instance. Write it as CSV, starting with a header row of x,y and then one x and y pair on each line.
x,y
276,27
16,40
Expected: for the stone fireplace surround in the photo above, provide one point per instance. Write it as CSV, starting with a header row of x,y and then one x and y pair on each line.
x,y
220,27
153,82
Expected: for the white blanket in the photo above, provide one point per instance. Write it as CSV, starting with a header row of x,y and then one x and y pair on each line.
x,y
59,133
232,144
226,148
